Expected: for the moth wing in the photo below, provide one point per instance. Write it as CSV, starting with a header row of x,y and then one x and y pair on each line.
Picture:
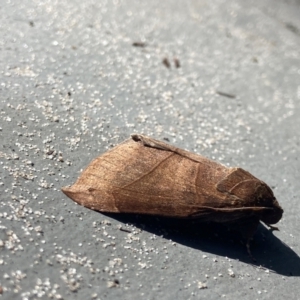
x,y
138,179
143,175
235,177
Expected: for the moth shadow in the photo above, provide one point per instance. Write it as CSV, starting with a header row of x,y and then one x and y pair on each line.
x,y
220,239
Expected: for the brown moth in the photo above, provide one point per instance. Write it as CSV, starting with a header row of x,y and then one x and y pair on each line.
x,y
146,176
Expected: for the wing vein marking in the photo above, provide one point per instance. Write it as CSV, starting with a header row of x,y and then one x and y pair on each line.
x,y
149,172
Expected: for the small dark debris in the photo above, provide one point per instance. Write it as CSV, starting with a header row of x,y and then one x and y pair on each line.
x,y
139,44
114,283
226,94
176,62
166,62
292,28
125,230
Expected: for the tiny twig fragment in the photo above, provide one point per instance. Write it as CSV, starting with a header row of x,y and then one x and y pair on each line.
x,y
226,94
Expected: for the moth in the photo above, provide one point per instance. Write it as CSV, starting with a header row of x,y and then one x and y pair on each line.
x,y
146,176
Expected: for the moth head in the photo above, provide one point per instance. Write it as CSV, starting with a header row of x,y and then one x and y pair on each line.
x,y
258,194
265,196
253,193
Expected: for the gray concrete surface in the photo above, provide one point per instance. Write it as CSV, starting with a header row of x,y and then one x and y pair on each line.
x,y
73,85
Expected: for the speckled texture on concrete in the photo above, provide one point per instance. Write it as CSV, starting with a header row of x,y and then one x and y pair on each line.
x,y
73,85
